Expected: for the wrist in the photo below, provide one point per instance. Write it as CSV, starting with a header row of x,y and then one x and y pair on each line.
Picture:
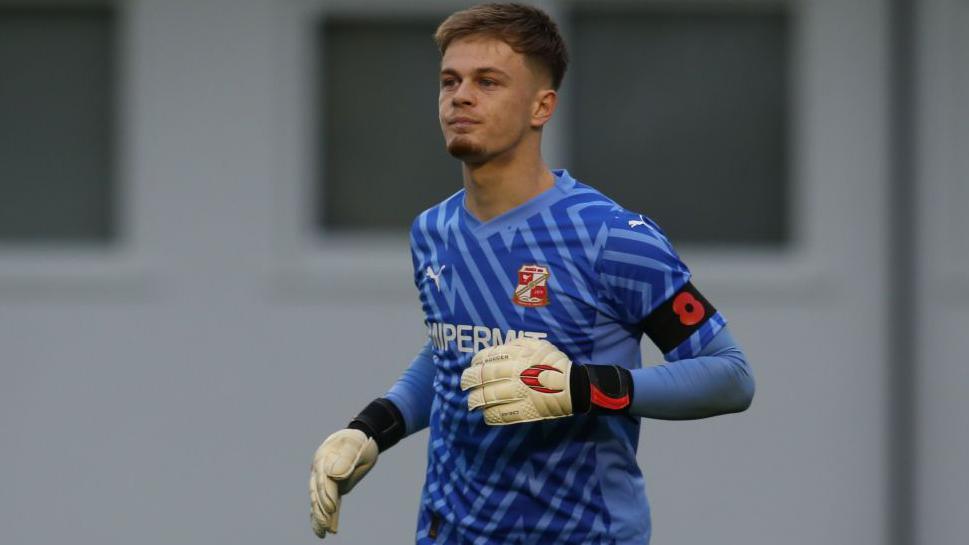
x,y
600,389
382,421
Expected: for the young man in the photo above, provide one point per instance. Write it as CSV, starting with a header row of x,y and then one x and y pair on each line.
x,y
536,290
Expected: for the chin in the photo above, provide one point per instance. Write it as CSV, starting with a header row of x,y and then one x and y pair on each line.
x,y
466,150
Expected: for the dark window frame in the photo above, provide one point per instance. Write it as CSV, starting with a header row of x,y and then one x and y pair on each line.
x,y
332,220
105,213
784,230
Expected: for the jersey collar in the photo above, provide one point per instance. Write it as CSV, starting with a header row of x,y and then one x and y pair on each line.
x,y
563,185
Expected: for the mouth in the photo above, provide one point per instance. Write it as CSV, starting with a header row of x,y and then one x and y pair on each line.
x,y
462,121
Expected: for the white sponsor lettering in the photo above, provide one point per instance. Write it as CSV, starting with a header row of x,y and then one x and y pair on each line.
x,y
464,338
473,338
449,334
482,335
509,336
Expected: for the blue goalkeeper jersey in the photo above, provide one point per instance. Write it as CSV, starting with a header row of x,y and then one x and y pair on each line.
x,y
573,267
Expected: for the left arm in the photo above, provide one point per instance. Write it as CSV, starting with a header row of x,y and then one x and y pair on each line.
x,y
647,284
530,379
644,283
717,381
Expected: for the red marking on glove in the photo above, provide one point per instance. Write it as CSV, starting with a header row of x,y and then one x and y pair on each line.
x,y
530,378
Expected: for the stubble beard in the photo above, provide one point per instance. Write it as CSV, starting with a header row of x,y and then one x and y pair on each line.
x,y
466,150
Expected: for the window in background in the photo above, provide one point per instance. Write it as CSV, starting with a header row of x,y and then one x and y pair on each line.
x,y
383,159
57,76
683,114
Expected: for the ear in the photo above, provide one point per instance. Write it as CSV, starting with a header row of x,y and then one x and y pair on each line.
x,y
543,107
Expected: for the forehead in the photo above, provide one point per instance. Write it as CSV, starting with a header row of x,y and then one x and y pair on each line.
x,y
475,52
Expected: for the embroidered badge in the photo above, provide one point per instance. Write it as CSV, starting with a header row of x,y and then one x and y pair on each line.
x,y
532,290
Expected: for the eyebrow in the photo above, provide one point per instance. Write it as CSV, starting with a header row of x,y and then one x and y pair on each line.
x,y
482,70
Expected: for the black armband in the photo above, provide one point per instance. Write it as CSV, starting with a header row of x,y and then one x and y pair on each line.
x,y
679,317
601,389
382,421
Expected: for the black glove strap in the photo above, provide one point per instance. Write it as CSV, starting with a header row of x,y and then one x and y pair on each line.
x,y
601,389
382,421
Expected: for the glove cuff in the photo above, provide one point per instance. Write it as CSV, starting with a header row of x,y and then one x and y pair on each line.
x,y
380,420
601,389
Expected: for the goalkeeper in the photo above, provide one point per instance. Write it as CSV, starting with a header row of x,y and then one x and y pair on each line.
x,y
537,290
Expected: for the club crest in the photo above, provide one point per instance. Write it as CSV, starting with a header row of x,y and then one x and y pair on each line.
x,y
532,289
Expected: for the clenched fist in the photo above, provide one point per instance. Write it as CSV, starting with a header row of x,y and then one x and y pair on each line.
x,y
527,380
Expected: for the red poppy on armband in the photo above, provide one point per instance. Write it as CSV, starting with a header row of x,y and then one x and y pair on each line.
x,y
679,317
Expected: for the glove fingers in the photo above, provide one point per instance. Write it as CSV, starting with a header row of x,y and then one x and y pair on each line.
x,y
481,375
318,527
492,370
503,391
532,350
317,517
548,354
502,352
500,369
484,354
515,413
471,377
510,413
525,380
320,521
342,460
334,521
326,519
524,347
329,495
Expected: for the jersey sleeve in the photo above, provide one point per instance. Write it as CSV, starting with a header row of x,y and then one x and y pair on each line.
x,y
648,286
413,392
416,247
717,381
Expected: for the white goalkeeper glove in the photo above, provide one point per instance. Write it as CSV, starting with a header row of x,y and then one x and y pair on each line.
x,y
340,462
530,379
346,456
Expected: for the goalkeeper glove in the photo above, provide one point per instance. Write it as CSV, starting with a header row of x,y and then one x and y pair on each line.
x,y
530,379
346,456
340,462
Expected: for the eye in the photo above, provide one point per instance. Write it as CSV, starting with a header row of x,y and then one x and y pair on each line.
x,y
488,82
447,83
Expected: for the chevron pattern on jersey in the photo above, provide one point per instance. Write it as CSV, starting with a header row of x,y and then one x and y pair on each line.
x,y
608,268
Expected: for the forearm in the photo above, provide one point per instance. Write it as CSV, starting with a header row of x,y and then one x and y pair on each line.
x,y
414,391
718,381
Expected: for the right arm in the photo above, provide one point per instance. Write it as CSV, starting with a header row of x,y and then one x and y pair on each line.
x,y
414,391
346,456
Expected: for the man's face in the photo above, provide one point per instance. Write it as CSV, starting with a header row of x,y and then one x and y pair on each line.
x,y
488,98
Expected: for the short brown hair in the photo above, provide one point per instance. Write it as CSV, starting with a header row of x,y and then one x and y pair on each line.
x,y
528,30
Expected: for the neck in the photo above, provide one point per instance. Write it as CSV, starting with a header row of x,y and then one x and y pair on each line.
x,y
502,183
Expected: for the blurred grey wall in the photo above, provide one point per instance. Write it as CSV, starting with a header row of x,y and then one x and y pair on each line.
x,y
171,386
941,442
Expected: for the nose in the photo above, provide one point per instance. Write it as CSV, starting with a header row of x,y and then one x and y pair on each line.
x,y
463,95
